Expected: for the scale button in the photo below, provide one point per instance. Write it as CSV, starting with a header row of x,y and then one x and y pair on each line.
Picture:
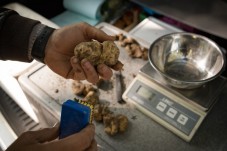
x,y
182,119
161,106
171,113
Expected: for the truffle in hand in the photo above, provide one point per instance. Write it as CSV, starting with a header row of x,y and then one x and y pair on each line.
x,y
99,53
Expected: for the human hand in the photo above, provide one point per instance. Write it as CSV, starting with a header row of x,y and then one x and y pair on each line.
x,y
60,51
45,140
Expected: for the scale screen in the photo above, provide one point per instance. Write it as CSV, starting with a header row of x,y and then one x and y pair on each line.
x,y
164,107
145,93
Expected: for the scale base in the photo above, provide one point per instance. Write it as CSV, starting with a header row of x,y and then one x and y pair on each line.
x,y
203,97
167,109
170,108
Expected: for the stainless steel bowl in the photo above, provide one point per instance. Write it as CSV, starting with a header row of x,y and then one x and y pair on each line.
x,y
186,60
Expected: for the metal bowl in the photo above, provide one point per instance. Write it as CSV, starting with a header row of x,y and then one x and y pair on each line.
x,y
186,60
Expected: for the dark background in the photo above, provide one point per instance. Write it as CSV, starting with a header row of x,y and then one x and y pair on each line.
x,y
46,8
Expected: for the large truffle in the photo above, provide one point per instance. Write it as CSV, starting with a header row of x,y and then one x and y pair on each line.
x,y
99,53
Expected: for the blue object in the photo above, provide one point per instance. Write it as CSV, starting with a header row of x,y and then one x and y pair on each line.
x,y
88,8
74,117
69,17
88,11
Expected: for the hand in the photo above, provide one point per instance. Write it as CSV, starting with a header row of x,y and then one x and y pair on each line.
x,y
45,140
60,51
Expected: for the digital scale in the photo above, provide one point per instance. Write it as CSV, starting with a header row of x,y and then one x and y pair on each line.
x,y
179,110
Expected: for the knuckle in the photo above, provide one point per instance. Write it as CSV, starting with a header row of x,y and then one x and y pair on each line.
x,y
28,135
83,24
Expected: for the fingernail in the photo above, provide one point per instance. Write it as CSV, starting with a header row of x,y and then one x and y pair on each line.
x,y
85,63
103,70
75,60
102,67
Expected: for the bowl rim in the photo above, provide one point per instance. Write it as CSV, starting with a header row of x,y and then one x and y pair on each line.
x,y
220,49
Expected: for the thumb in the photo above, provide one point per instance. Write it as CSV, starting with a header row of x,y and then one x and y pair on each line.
x,y
47,134
97,34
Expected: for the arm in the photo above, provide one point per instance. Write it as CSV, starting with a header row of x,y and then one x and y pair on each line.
x,y
20,40
14,35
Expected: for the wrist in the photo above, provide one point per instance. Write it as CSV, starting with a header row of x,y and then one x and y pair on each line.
x,y
35,32
40,42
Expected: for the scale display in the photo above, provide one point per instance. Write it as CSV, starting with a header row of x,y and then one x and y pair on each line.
x,y
169,110
145,93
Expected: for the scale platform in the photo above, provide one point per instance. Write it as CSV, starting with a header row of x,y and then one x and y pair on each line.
x,y
179,110
203,97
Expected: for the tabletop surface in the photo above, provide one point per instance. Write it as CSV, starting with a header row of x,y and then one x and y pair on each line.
x,y
143,133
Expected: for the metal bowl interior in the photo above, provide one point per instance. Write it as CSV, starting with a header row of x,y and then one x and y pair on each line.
x,y
187,57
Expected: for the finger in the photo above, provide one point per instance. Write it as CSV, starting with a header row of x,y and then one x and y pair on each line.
x,y
97,34
90,72
86,136
104,71
79,141
93,146
77,72
44,135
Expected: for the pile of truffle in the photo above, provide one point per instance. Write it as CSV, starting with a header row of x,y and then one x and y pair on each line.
x,y
133,48
113,124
